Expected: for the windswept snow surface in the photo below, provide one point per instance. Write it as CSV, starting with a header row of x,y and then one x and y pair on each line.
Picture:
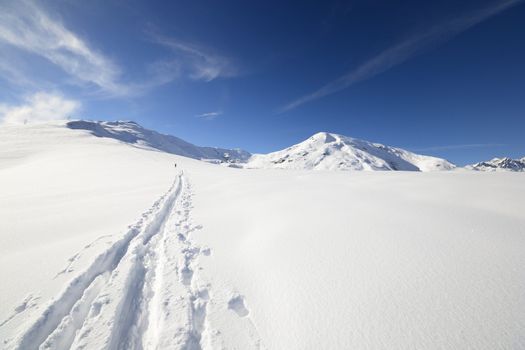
x,y
327,151
107,246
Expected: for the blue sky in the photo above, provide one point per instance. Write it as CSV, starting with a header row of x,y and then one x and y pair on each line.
x,y
442,78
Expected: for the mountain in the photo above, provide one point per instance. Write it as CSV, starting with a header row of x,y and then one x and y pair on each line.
x,y
327,151
499,164
133,133
322,151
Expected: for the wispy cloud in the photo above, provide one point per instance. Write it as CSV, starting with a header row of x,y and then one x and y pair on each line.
x,y
194,61
462,146
209,115
11,72
403,51
26,26
39,107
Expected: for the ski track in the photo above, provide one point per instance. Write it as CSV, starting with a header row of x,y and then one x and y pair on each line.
x,y
143,292
64,317
178,310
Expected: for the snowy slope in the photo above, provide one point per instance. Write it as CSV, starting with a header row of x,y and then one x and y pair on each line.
x,y
106,246
131,132
327,151
499,164
65,197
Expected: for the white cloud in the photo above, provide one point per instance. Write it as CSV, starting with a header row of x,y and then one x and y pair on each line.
x,y
403,51
194,61
39,107
26,26
209,115
12,73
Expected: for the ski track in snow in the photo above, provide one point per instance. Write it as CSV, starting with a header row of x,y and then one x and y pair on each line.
x,y
141,293
56,327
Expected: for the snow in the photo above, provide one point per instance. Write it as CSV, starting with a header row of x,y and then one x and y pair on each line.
x,y
328,151
64,197
132,133
107,245
499,164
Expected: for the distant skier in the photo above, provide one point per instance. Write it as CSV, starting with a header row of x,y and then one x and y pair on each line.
x,y
175,164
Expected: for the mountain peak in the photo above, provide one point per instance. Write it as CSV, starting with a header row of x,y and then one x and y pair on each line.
x,y
324,137
329,151
497,164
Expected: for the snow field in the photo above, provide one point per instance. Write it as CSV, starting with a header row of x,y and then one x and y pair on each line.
x,y
245,259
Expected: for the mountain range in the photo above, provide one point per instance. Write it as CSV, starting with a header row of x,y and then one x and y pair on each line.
x,y
322,151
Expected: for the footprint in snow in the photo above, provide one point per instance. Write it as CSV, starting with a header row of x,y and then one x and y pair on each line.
x,y
236,303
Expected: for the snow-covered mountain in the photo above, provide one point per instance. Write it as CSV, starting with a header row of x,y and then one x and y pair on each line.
x,y
327,151
131,132
498,164
322,151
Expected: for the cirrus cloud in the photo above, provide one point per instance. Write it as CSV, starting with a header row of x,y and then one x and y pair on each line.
x,y
403,51
28,30
209,115
26,26
195,61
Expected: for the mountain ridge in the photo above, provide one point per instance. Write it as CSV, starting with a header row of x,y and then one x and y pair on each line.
x,y
322,151
499,164
331,151
133,133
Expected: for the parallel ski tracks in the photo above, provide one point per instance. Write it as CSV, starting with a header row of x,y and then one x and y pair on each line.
x,y
112,286
140,293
